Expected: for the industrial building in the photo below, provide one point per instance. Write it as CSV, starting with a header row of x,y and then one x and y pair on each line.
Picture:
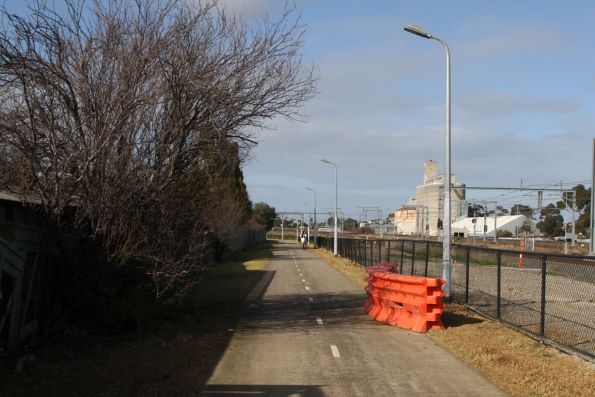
x,y
421,215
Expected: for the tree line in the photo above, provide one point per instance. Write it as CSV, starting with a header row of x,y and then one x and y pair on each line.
x,y
129,122
550,221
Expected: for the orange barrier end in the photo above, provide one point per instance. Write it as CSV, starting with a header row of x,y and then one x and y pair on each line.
x,y
409,302
381,267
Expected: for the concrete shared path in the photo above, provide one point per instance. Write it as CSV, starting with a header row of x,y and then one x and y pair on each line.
x,y
305,333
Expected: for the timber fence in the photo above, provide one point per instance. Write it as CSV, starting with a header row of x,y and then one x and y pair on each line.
x,y
32,274
548,296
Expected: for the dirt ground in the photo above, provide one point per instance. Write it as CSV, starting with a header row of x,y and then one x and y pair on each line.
x,y
515,362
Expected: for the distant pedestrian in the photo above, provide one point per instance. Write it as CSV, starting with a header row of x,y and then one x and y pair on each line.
x,y
304,241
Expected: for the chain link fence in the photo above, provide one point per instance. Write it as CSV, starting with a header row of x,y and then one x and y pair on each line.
x,y
548,296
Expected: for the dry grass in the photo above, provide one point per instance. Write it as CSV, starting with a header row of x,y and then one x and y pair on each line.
x,y
516,363
513,361
172,357
176,357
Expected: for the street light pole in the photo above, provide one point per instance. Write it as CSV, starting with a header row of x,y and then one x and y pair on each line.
x,y
315,224
335,251
418,31
308,221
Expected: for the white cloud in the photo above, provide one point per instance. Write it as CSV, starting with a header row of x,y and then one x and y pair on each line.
x,y
498,103
250,8
510,40
380,115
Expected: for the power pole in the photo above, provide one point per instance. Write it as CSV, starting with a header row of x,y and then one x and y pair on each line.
x,y
495,222
571,195
573,219
539,200
592,220
485,225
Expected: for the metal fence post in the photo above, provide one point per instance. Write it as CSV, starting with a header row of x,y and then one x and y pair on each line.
x,y
374,244
499,284
412,258
543,282
388,250
347,244
359,252
467,257
402,252
427,258
372,253
364,252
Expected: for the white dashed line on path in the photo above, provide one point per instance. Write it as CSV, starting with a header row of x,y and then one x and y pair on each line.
x,y
335,351
307,288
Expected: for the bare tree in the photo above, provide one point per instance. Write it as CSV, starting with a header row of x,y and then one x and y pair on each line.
x,y
125,111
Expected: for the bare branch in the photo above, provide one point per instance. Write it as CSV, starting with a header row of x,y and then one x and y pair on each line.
x,y
137,114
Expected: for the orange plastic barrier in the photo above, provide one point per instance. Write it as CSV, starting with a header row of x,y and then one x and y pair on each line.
x,y
382,267
409,302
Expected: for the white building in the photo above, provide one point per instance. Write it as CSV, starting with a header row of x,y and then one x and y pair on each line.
x,y
511,223
421,214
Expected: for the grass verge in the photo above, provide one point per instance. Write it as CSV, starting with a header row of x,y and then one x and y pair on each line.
x,y
172,355
516,363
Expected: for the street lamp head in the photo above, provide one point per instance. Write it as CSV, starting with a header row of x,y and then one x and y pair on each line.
x,y
418,31
326,161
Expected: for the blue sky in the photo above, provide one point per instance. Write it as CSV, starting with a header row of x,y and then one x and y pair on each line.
x,y
523,101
